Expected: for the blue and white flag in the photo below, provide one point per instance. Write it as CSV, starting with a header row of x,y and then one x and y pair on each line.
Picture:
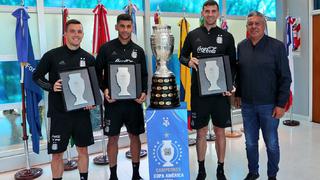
x,y
132,9
32,91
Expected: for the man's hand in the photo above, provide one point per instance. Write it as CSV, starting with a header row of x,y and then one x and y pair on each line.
x,y
278,112
228,93
193,63
237,102
89,107
57,87
106,95
142,98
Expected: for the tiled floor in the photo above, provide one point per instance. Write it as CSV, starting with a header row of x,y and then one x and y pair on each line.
x,y
300,159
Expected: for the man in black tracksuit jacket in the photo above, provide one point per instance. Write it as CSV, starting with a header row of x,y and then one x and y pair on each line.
x,y
64,124
204,42
128,112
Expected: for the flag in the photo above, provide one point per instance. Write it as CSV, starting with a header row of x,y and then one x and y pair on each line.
x,y
65,16
185,74
156,16
131,9
224,24
100,29
32,91
296,27
289,46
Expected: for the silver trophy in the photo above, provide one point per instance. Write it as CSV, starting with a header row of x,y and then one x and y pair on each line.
x,y
162,43
164,92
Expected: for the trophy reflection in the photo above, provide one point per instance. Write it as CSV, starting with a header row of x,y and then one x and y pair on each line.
x,y
77,87
164,92
123,80
212,74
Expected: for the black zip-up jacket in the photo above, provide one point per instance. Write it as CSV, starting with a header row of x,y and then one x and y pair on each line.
x,y
263,72
203,44
53,62
115,52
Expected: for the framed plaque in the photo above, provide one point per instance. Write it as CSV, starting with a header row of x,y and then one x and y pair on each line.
x,y
80,88
214,75
124,81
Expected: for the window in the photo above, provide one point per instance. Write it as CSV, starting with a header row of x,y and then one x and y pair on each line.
x,y
109,4
18,2
316,4
190,6
243,7
10,82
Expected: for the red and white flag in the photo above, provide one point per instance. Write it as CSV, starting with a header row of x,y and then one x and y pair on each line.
x,y
289,44
224,24
296,27
100,29
132,9
65,16
156,16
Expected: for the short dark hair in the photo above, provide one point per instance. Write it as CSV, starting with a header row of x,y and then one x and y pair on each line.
x,y
210,3
124,17
71,21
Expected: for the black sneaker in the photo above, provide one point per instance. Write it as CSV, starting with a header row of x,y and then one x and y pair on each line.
x,y
272,178
137,178
221,177
252,176
220,174
113,178
201,176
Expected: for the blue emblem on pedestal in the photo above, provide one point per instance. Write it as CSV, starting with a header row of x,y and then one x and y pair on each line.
x,y
168,143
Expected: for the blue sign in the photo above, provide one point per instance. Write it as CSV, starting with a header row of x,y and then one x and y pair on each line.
x,y
167,133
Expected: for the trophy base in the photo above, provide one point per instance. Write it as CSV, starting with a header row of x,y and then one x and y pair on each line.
x,y
164,92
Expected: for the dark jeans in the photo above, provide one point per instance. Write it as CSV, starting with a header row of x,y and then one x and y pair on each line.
x,y
254,118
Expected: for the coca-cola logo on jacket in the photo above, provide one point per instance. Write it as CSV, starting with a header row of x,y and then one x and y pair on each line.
x,y
207,50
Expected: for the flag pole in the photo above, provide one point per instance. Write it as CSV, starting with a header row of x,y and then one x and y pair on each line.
x,y
143,152
290,121
232,133
68,164
210,135
102,159
191,141
27,173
